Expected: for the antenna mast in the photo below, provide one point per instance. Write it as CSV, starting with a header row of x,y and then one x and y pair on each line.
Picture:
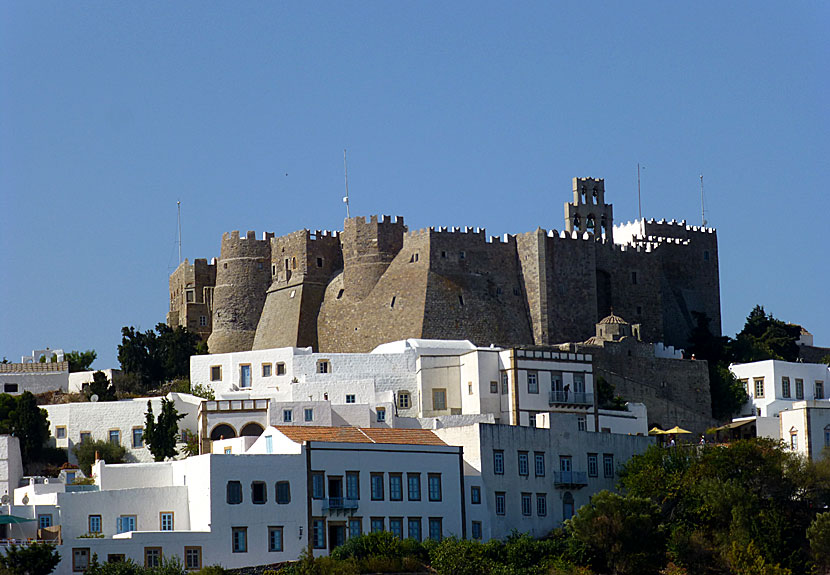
x,y
346,171
179,210
640,202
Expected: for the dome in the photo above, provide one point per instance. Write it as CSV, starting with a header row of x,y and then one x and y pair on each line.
x,y
613,319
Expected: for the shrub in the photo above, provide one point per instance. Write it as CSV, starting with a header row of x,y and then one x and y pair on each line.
x,y
109,452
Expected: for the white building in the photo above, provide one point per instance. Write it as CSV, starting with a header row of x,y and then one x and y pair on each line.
x,y
120,422
805,428
11,465
15,378
774,386
294,487
79,380
47,354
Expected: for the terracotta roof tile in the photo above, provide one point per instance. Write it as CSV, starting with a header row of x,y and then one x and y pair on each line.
x,y
360,435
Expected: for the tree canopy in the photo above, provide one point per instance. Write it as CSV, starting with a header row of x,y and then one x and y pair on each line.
x,y
80,360
108,451
33,559
20,416
155,357
100,387
160,435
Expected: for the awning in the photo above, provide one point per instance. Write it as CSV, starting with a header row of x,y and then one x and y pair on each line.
x,y
9,519
656,431
676,429
734,424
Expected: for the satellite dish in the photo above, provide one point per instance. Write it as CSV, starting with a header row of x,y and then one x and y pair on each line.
x,y
94,398
5,499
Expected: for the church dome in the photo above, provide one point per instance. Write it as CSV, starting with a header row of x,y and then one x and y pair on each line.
x,y
613,319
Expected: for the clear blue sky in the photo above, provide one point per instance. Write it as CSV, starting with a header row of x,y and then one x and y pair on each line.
x,y
453,113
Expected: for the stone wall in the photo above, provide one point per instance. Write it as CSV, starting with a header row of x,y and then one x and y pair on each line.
x,y
191,296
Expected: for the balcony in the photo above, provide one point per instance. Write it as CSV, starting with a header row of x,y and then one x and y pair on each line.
x,y
570,479
337,505
571,398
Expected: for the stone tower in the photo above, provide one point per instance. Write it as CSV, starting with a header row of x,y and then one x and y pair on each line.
x,y
368,249
589,212
243,275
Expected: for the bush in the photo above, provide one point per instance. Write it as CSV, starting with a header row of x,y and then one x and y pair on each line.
x,y
109,452
35,559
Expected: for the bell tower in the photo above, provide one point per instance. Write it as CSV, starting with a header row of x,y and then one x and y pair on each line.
x,y
588,212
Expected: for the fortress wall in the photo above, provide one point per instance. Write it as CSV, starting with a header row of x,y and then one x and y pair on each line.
x,y
199,279
243,275
531,253
474,290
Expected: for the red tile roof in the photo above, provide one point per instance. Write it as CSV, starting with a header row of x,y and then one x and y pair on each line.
x,y
300,433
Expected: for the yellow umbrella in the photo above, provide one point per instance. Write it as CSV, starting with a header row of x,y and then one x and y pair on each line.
x,y
676,429
656,431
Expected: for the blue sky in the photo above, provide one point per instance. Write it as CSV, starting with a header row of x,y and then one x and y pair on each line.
x,y
453,113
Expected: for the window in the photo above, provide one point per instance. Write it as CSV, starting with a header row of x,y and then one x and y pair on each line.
x,y
353,485
608,464
413,482
504,383
259,493
745,383
60,432
138,437
532,382
216,373
396,526
395,487
269,444
318,533
434,480
827,436
476,529
819,390
189,296
308,414
283,492
581,423
245,375
799,389
785,387
319,262
318,485
228,450
526,504
323,366
436,532
376,480
166,521
634,278
462,255
80,559
469,388
500,502
498,462
414,528
381,412
539,464
280,368
494,387
376,524
10,388
115,436
287,415
355,527
593,465
403,400
275,539
94,523
234,492
44,520
793,439
266,370
759,387
152,556
475,494
202,321
565,463
85,436
541,504
439,399
115,557
125,524
350,398
523,463
239,539
192,558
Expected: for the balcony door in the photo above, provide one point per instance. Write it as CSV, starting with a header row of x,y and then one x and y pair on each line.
x,y
335,491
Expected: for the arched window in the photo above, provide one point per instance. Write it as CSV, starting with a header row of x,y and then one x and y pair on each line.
x,y
576,222
590,223
584,193
793,438
567,505
252,430
595,194
603,225
222,431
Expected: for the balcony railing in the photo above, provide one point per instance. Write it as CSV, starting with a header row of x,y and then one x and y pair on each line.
x,y
570,479
339,504
571,398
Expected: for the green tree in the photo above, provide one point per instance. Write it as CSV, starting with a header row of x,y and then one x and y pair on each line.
x,y
818,534
100,387
86,450
622,533
765,337
80,360
155,357
34,559
160,435
20,416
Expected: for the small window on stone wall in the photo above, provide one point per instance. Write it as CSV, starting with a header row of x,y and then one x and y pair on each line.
x,y
393,301
319,262
339,294
323,366
634,278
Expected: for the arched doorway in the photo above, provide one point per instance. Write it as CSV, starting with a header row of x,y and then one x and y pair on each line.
x,y
222,431
252,429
